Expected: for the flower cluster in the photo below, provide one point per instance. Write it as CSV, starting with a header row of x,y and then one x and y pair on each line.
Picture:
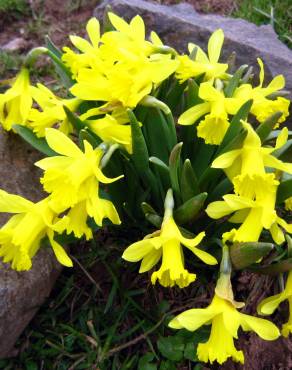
x,y
216,186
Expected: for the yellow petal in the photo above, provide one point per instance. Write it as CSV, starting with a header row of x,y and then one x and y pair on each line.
x,y
226,160
150,260
93,30
59,251
215,45
270,304
192,319
264,328
61,144
191,115
218,209
136,251
11,203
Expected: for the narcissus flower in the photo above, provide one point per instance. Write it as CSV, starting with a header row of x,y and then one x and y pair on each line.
x,y
201,63
243,165
16,102
270,304
74,176
51,111
167,244
123,83
225,321
215,124
110,129
253,214
88,51
263,106
21,236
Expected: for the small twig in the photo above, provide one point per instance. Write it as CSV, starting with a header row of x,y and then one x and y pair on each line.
x,y
137,339
86,273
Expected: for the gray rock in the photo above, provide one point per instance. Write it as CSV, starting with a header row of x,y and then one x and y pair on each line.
x,y
16,44
180,24
21,293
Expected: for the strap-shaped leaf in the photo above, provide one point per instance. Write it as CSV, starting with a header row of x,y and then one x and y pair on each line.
x,y
190,209
192,94
267,126
188,182
38,143
234,81
151,215
175,169
64,72
74,119
140,156
273,269
235,124
84,134
284,191
245,254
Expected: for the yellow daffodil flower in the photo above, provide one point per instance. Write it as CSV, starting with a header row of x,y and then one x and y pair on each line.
x,y
202,63
52,111
253,214
242,165
109,128
215,124
263,106
225,321
269,305
21,236
74,176
16,102
167,244
122,83
88,51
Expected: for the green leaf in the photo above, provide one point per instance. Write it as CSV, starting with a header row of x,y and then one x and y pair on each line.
x,y
171,348
267,126
190,352
140,157
192,94
64,72
175,94
188,182
74,119
52,47
235,124
38,143
88,136
273,269
151,215
285,152
167,365
289,245
174,169
284,191
244,254
190,209
222,188
145,362
234,81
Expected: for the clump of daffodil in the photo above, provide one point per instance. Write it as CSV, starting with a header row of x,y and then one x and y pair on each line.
x,y
73,176
21,236
263,106
199,63
167,244
254,214
16,102
216,107
225,320
244,165
51,111
270,304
